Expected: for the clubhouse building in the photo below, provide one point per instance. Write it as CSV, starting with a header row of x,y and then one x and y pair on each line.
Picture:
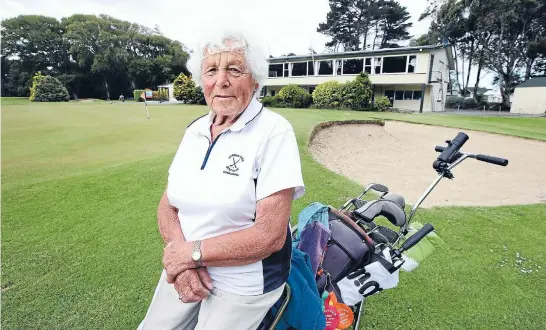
x,y
413,78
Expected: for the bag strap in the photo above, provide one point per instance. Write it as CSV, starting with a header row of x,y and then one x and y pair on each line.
x,y
346,220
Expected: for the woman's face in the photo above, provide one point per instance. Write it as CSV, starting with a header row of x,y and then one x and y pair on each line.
x,y
228,85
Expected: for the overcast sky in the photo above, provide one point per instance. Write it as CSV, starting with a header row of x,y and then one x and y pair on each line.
x,y
283,25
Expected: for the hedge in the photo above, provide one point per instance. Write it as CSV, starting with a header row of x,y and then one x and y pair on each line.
x,y
382,103
327,95
294,97
272,101
356,94
184,89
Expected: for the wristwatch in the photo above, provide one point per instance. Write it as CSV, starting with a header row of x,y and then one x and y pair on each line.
x,y
196,254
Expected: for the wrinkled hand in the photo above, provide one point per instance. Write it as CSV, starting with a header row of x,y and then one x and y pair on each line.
x,y
177,258
193,285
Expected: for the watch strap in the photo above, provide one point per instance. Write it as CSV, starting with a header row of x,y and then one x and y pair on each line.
x,y
197,248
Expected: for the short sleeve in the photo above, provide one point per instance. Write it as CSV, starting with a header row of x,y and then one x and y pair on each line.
x,y
280,166
177,158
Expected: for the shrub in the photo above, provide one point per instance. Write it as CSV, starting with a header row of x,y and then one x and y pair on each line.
x,y
356,94
272,101
482,101
382,103
295,97
327,95
48,89
184,89
36,80
454,101
469,103
198,97
136,95
155,95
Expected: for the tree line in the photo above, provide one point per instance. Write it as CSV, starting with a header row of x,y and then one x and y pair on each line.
x,y
506,37
365,24
93,56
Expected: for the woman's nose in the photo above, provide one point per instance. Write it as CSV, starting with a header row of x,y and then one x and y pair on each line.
x,y
222,78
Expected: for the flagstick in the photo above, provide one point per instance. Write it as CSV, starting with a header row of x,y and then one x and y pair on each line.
x,y
147,113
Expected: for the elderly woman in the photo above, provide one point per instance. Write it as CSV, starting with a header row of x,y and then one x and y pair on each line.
x,y
224,215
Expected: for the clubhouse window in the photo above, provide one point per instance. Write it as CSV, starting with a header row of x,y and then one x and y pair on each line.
x,y
368,65
338,67
377,65
412,63
407,95
352,66
394,64
275,70
326,68
310,69
299,69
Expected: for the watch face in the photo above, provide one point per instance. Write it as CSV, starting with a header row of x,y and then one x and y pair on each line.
x,y
196,255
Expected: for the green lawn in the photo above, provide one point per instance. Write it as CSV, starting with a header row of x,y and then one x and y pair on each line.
x,y
81,249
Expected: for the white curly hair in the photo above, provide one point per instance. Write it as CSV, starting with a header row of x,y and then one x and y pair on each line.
x,y
226,41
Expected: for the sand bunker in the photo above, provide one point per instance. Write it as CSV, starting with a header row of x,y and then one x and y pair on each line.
x,y
400,155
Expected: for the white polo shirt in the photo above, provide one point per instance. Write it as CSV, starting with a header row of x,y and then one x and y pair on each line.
x,y
215,186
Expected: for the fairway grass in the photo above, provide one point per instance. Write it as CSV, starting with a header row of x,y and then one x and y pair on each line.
x,y
81,249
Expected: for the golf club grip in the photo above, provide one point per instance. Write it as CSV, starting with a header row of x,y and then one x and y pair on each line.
x,y
492,160
415,238
455,145
380,187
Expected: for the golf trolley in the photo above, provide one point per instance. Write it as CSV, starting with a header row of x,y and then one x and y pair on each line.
x,y
391,206
376,243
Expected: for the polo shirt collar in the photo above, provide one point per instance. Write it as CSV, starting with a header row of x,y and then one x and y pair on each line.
x,y
252,111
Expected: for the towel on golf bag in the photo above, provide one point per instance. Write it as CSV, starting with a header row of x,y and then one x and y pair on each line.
x,y
313,240
378,275
313,212
304,311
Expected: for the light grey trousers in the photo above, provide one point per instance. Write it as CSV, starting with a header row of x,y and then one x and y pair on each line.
x,y
220,310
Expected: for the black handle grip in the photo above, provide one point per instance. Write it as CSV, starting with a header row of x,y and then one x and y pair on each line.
x,y
454,146
415,238
492,160
456,156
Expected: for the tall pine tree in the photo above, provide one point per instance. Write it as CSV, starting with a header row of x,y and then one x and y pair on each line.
x,y
394,24
350,24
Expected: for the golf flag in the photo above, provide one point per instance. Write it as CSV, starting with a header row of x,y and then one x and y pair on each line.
x,y
143,95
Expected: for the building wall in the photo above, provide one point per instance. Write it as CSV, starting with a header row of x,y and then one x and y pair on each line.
x,y
529,100
423,60
413,105
436,98
435,90
439,78
273,88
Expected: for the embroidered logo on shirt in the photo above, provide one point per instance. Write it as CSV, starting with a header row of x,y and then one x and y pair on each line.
x,y
233,167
